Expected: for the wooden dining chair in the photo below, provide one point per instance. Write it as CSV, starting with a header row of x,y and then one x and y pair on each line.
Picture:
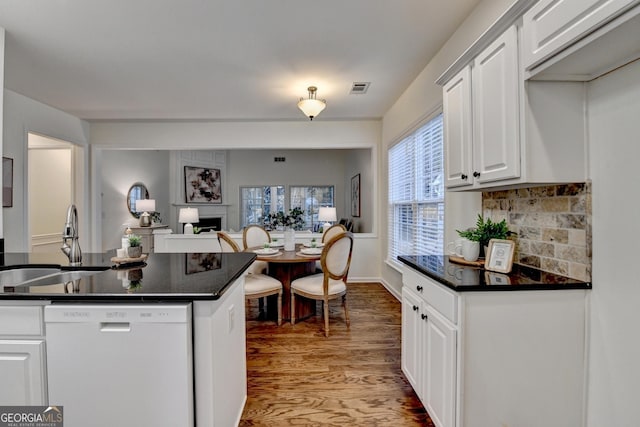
x,y
227,244
334,230
256,284
332,282
255,235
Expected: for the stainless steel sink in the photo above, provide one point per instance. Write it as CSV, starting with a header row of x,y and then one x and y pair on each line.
x,y
61,277
18,276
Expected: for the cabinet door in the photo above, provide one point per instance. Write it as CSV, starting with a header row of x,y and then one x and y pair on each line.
x,y
457,129
551,25
21,366
496,142
439,370
411,337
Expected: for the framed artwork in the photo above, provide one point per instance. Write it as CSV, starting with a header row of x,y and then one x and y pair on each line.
x,y
202,185
499,255
355,196
7,182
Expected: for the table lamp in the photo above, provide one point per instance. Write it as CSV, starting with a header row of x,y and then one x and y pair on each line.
x,y
327,215
144,206
187,216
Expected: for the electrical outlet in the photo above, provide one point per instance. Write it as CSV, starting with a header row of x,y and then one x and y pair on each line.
x,y
232,317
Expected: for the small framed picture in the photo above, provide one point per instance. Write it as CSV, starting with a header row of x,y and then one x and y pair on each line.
x,y
499,255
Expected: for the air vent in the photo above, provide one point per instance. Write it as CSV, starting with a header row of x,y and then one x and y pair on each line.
x,y
359,88
279,159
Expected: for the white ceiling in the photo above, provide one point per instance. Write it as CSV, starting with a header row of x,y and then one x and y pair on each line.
x,y
220,59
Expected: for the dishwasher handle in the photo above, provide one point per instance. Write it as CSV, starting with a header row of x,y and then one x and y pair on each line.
x,y
115,327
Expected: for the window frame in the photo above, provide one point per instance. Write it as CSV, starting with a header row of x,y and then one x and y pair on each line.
x,y
311,220
423,199
262,206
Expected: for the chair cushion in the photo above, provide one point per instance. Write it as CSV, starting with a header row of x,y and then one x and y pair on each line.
x,y
313,285
257,283
258,267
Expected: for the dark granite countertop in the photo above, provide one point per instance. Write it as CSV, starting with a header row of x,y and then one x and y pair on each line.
x,y
462,278
163,277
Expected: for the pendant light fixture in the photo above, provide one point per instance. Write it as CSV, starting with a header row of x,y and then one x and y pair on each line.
x,y
311,106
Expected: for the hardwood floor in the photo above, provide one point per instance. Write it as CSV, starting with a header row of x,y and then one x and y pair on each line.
x,y
297,377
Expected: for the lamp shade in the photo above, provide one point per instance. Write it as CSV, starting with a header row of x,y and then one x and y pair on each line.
x,y
327,214
312,106
188,215
145,205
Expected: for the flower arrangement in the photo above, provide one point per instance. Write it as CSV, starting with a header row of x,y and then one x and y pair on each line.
x,y
293,219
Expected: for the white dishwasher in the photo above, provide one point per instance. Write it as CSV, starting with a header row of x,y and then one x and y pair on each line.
x,y
121,364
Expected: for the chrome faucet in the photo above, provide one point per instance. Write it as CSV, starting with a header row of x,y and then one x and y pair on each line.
x,y
72,251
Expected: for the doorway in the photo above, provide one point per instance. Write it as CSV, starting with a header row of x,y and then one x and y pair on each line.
x,y
50,189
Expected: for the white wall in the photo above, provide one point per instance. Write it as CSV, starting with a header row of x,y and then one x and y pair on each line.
x,y
21,116
614,109
361,164
423,98
49,195
236,135
1,114
302,167
120,170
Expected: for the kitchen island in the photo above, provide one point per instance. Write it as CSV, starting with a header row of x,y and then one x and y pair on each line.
x,y
208,286
489,349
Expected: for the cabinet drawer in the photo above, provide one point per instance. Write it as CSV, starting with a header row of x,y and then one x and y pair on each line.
x,y
21,320
436,295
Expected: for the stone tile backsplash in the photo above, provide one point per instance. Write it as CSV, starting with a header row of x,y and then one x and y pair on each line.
x,y
553,225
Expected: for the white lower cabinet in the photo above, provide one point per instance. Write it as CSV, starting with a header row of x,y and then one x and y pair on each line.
x,y
22,367
411,339
22,355
429,355
439,367
478,359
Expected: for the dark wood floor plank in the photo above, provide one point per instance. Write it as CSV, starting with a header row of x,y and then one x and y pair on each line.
x,y
298,377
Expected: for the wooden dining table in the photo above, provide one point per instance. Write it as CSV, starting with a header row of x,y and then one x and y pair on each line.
x,y
287,266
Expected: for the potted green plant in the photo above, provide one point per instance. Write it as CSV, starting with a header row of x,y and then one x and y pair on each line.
x,y
135,246
485,231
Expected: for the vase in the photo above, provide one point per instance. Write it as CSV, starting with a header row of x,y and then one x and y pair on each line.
x,y
289,239
134,251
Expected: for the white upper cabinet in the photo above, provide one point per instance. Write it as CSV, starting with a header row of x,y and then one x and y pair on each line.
x,y
496,141
502,131
458,129
481,117
552,25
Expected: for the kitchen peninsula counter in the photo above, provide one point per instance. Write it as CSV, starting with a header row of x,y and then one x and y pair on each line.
x,y
464,278
39,320
169,277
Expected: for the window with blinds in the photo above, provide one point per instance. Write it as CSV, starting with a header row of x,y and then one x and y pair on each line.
x,y
309,199
256,202
416,193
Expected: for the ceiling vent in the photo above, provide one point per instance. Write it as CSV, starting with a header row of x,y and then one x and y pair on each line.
x,y
279,159
359,88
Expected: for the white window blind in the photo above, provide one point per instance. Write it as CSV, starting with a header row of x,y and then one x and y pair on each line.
x,y
416,193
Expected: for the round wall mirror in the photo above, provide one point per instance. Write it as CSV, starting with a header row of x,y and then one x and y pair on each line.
x,y
136,192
